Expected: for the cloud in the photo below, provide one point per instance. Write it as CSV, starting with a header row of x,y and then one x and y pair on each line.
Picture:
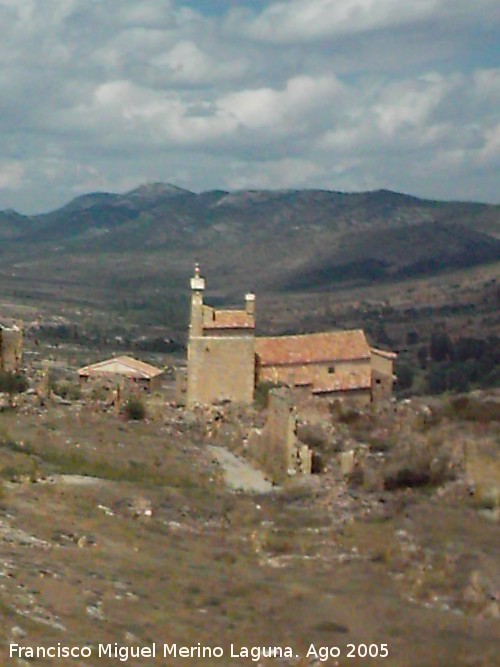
x,y
273,174
187,64
318,93
313,19
283,110
11,175
308,20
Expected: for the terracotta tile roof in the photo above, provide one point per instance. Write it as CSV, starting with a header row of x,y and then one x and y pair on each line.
x,y
344,381
127,366
312,348
227,319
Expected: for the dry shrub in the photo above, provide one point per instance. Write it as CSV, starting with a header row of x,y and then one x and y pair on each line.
x,y
419,462
12,383
316,436
261,394
67,390
343,413
279,545
470,408
135,409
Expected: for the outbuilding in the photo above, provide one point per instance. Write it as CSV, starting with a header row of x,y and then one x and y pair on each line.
x,y
137,372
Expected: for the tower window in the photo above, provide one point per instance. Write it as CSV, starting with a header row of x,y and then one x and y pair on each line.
x,y
331,370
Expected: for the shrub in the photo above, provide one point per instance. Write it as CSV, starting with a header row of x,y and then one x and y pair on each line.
x,y
135,409
418,464
314,435
405,376
261,395
67,390
472,409
13,383
343,414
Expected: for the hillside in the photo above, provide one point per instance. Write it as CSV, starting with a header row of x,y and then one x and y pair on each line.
x,y
130,533
289,239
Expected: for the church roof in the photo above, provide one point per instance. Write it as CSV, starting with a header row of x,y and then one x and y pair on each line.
x,y
312,348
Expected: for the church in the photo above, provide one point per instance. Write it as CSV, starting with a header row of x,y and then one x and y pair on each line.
x,y
226,361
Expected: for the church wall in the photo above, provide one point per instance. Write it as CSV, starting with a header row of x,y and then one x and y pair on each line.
x,y
291,374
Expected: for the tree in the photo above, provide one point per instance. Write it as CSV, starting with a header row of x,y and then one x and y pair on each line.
x,y
441,347
436,379
412,337
405,376
422,355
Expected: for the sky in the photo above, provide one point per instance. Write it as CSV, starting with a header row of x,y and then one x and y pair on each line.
x,y
350,95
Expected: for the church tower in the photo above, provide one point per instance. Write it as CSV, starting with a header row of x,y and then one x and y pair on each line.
x,y
197,289
220,351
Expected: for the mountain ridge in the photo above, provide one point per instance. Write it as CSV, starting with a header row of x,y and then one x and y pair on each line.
x,y
286,239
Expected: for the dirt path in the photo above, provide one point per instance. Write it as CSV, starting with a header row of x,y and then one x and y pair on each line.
x,y
238,473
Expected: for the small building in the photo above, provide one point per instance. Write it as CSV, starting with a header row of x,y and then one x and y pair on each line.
x,y
117,369
11,348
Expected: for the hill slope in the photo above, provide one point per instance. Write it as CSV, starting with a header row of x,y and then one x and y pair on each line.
x,y
285,239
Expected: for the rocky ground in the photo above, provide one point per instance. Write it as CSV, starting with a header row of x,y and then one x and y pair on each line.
x,y
137,532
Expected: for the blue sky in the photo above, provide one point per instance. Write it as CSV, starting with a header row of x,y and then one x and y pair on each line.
x,y
340,94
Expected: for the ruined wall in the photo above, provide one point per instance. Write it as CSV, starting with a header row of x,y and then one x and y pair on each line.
x,y
276,448
360,398
220,368
180,386
11,349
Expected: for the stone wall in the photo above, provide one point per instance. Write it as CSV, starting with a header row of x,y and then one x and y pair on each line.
x,y
276,448
381,386
382,374
11,349
220,368
180,386
317,373
360,398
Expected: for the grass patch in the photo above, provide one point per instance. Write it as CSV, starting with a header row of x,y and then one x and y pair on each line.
x,y
73,462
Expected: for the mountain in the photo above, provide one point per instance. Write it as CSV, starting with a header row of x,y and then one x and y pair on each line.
x,y
283,239
13,224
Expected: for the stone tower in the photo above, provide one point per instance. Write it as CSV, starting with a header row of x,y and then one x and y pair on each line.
x,y
197,289
221,350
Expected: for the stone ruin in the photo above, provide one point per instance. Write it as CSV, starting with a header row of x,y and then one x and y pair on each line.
x,y
11,349
276,448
